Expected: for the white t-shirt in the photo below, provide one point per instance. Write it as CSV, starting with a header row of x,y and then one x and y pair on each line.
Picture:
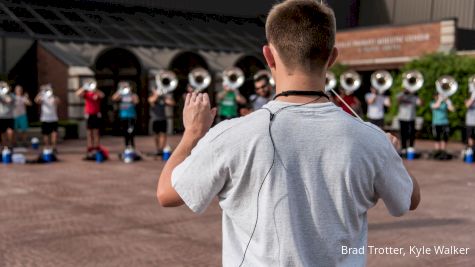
x,y
376,109
470,116
329,169
49,111
20,106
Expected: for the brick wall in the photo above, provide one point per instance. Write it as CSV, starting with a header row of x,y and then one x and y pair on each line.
x,y
51,70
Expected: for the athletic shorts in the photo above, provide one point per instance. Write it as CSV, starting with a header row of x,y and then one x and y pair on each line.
x,y
159,126
49,127
6,124
21,123
441,132
93,122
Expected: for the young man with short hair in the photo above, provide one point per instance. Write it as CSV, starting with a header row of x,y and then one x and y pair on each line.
x,y
291,181
263,94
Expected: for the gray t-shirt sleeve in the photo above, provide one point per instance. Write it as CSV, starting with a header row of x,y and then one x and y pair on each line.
x,y
199,178
393,183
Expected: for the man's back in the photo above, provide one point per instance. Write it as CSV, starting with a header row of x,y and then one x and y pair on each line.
x,y
310,197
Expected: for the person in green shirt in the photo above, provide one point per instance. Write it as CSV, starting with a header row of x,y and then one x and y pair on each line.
x,y
228,100
440,120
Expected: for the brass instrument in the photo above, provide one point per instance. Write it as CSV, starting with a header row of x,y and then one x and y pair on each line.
x,y
166,82
124,88
266,73
4,88
90,85
46,90
233,78
412,80
381,80
446,86
330,81
350,81
199,79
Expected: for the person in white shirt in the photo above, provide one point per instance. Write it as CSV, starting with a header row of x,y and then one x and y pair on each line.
x,y
49,116
376,103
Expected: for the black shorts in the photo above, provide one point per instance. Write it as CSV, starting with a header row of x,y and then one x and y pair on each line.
x,y
159,126
49,127
93,122
471,132
6,124
441,132
379,123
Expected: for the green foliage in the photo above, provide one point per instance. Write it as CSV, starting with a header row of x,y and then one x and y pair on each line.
x,y
338,69
432,67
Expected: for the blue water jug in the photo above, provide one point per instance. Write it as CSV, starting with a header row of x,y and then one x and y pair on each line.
x,y
469,156
411,153
6,156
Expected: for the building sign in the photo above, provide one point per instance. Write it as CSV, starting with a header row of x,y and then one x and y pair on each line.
x,y
391,42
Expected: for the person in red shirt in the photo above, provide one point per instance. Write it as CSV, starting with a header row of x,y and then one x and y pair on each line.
x,y
92,110
351,100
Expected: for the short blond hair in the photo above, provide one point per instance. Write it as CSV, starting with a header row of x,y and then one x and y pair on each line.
x,y
303,33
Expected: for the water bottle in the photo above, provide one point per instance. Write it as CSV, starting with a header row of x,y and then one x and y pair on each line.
x,y
167,151
99,156
6,155
35,143
129,155
47,155
469,156
411,153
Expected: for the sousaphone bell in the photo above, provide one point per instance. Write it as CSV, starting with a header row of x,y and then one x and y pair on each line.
x,y
350,81
233,78
446,86
381,80
412,80
166,82
199,79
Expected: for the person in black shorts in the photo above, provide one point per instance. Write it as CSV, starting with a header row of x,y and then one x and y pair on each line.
x,y
7,123
158,117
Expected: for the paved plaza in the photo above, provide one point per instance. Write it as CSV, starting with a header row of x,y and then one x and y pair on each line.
x,y
78,213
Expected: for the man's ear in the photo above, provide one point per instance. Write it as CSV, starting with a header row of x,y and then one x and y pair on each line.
x,y
266,50
333,57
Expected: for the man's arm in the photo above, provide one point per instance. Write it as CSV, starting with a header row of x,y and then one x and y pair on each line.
x,y
416,193
197,119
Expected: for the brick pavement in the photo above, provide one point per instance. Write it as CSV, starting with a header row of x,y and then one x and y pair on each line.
x,y
76,213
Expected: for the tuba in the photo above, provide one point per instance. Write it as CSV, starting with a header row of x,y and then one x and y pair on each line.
x,y
330,81
199,79
90,85
446,86
166,82
412,80
233,78
124,88
46,90
381,80
265,73
350,81
4,88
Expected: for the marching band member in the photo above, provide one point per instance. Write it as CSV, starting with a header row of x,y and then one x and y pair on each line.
x,y
228,100
127,114
158,103
21,119
351,100
49,116
7,123
92,110
470,120
440,121
264,92
376,103
407,117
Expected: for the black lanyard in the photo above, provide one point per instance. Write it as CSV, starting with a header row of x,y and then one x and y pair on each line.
x,y
302,93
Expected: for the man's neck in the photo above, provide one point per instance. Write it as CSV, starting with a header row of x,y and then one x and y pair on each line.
x,y
301,83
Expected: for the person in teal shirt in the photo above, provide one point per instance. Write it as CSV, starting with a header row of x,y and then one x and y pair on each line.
x,y
228,101
440,120
127,114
